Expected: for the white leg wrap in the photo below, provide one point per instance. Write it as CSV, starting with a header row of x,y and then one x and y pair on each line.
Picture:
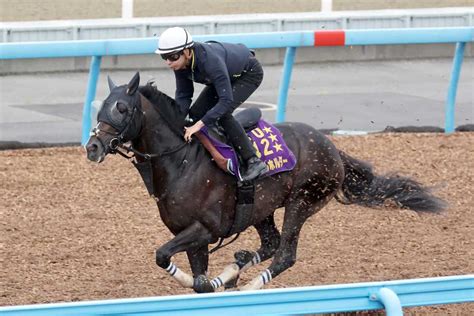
x,y
255,260
258,282
183,278
230,272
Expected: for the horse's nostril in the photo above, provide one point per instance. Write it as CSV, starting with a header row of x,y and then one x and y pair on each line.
x,y
92,148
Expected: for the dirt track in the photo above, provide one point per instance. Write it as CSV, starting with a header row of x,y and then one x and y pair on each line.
x,y
73,230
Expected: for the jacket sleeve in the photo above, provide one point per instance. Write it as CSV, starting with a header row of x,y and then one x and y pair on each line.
x,y
184,91
219,76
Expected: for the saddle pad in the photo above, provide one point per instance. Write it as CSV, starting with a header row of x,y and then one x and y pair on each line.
x,y
269,145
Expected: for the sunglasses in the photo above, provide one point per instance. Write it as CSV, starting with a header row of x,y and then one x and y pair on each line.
x,y
172,56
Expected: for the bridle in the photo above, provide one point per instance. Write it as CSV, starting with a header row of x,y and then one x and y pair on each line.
x,y
117,145
118,137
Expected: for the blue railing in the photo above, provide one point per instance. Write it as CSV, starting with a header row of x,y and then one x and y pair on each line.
x,y
290,40
390,295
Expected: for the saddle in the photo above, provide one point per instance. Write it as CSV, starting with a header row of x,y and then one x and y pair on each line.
x,y
247,118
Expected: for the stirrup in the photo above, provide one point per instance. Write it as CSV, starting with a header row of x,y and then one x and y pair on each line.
x,y
256,173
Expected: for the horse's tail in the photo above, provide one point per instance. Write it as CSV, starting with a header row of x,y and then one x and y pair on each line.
x,y
362,186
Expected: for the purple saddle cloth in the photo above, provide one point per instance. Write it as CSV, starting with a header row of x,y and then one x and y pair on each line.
x,y
269,145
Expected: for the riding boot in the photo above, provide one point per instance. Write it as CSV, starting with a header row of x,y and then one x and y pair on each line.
x,y
243,146
255,169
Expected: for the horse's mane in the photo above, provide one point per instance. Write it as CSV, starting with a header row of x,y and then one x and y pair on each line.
x,y
166,106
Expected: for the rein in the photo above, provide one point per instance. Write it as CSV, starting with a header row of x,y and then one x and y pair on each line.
x,y
146,156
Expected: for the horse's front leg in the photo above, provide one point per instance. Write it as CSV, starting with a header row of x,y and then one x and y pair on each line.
x,y
199,260
195,236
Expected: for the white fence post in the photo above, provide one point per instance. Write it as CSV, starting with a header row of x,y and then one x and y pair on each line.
x,y
127,9
326,5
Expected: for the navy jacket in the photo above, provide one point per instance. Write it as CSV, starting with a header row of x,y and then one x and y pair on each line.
x,y
216,64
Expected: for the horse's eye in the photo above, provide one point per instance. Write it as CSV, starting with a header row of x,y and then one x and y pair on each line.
x,y
122,108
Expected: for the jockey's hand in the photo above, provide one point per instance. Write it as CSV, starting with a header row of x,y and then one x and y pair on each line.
x,y
189,131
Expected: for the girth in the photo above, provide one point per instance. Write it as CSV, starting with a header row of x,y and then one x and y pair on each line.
x,y
243,208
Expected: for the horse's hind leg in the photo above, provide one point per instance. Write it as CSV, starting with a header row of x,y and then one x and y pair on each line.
x,y
285,257
269,239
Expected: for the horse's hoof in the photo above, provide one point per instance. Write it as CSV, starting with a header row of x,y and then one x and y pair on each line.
x,y
202,284
242,257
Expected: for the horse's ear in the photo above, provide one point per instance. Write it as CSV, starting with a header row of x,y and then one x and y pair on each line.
x,y
111,83
133,84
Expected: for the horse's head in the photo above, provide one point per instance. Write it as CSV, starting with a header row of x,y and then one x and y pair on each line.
x,y
119,120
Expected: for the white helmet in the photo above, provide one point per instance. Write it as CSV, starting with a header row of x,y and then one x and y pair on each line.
x,y
174,39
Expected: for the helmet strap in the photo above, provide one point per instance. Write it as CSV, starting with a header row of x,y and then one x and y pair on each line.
x,y
192,59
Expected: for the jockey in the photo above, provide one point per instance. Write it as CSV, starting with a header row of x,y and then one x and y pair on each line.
x,y
231,74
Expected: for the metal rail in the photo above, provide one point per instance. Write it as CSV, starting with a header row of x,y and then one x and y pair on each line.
x,y
390,295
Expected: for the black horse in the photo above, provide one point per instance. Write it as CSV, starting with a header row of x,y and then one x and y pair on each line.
x,y
196,199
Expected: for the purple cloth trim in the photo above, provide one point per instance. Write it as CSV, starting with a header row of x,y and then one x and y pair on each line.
x,y
270,147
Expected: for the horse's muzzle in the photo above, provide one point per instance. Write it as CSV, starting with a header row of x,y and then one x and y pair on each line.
x,y
95,150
